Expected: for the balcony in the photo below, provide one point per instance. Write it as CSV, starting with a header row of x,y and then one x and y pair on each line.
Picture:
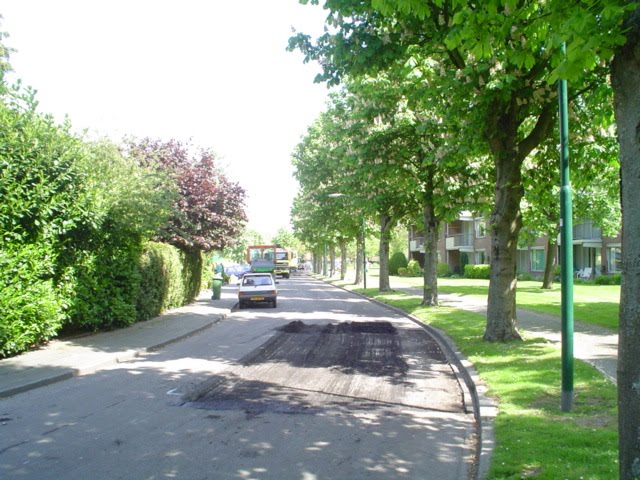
x,y
417,244
459,241
586,231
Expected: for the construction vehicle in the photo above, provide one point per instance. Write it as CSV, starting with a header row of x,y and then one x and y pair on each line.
x,y
272,258
284,259
262,258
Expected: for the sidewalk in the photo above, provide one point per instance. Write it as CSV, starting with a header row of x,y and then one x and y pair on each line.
x,y
63,359
595,345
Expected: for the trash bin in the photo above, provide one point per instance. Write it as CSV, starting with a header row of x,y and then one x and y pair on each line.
x,y
216,287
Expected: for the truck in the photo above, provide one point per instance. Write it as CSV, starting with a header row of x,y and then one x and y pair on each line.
x,y
286,262
271,258
262,258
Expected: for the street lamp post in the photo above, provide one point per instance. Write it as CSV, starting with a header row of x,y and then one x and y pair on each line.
x,y
566,237
364,252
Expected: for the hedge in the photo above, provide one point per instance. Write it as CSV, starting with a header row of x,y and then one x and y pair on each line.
x,y
31,307
169,278
443,270
477,271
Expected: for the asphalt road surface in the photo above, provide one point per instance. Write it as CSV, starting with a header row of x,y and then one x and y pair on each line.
x,y
326,386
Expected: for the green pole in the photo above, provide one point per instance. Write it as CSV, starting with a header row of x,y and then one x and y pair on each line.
x,y
364,251
566,267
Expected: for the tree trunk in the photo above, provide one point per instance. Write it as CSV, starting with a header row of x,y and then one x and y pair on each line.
x,y
506,222
332,260
430,290
317,261
504,118
386,225
343,259
625,79
359,263
550,263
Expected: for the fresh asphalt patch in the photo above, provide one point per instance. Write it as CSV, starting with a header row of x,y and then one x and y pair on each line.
x,y
307,369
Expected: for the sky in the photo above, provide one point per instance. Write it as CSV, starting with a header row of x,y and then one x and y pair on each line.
x,y
215,73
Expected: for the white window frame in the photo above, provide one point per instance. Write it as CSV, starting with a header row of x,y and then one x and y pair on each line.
x,y
611,265
531,255
480,228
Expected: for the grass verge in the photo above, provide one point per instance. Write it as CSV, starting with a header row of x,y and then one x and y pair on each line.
x,y
534,439
594,304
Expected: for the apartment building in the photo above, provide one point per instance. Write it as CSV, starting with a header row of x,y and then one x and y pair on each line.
x,y
467,241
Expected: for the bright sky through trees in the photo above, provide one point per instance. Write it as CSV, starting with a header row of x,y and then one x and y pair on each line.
x,y
216,72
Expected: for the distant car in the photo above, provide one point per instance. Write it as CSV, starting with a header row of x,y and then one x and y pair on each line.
x,y
257,288
237,270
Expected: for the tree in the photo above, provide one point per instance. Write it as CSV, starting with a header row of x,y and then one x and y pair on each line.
x,y
371,173
237,250
209,211
509,54
450,172
321,218
625,79
284,238
594,176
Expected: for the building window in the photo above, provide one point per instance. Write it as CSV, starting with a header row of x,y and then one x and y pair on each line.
x,y
481,228
614,259
537,260
480,257
522,261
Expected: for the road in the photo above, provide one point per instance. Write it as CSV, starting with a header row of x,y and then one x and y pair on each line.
x,y
326,386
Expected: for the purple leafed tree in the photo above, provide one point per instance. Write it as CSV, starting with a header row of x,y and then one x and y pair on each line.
x,y
209,209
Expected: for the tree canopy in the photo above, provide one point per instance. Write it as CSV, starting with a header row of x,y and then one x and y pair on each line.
x,y
208,212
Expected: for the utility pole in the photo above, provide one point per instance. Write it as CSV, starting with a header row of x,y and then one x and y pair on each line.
x,y
364,250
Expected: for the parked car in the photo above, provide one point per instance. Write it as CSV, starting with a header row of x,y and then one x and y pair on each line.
x,y
305,267
257,288
237,270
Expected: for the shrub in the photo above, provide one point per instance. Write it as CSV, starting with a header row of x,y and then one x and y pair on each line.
x,y
411,270
31,307
477,271
525,277
444,270
414,269
608,279
398,260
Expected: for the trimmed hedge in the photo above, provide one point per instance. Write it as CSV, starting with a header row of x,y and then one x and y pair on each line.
x,y
107,285
614,279
111,288
169,278
477,271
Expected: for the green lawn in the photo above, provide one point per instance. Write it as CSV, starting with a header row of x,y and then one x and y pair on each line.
x,y
534,439
596,304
